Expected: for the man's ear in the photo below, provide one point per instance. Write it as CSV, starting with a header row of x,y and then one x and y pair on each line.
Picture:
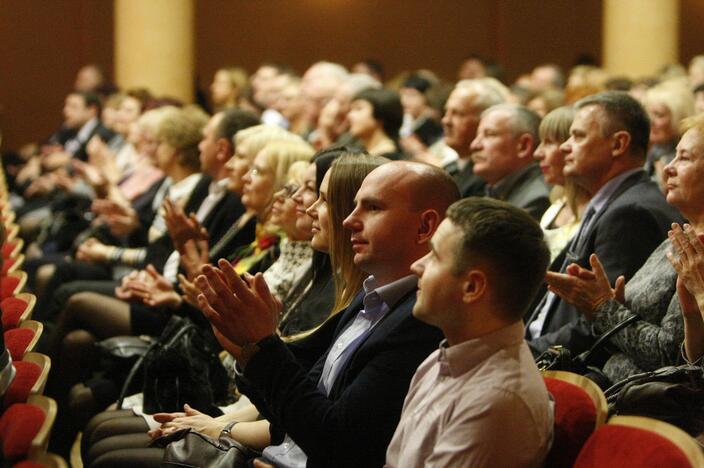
x,y
429,222
224,149
620,142
474,286
526,146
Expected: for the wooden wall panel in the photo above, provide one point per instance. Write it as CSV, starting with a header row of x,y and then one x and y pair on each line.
x,y
44,42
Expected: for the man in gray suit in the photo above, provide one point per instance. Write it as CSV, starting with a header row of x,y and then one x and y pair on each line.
x,y
502,153
625,220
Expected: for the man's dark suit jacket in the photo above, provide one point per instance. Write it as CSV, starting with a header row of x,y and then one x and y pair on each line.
x,y
63,135
218,221
354,424
623,234
524,189
470,184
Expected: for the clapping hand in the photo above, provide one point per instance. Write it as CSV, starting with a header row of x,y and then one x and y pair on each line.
x,y
586,289
181,228
243,312
687,258
153,289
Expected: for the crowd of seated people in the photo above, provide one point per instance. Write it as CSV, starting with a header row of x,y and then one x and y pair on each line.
x,y
380,263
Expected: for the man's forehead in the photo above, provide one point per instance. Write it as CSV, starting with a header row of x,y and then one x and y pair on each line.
x,y
496,118
446,231
385,181
590,113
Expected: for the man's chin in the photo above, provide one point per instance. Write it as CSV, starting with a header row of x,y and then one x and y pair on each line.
x,y
419,312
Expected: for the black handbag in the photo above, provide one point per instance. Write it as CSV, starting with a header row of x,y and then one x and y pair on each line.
x,y
183,366
673,394
187,448
118,356
560,358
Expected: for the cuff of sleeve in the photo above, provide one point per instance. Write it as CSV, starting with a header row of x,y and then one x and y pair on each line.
x,y
601,323
683,353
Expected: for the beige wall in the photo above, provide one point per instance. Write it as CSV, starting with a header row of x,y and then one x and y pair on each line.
x,y
43,43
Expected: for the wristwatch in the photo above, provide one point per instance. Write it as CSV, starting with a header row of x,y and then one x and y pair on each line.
x,y
227,430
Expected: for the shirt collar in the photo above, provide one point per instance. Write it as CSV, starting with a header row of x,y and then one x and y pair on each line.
x,y
184,186
392,292
218,187
608,189
87,129
461,358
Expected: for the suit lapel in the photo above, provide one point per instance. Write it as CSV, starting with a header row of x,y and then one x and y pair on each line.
x,y
397,313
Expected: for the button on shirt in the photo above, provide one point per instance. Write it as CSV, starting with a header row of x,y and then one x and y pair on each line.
x,y
467,398
377,303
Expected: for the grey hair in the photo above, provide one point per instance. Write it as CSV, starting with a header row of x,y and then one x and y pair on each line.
x,y
356,82
524,120
487,92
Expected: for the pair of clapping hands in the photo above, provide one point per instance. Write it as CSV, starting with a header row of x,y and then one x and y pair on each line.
x,y
588,289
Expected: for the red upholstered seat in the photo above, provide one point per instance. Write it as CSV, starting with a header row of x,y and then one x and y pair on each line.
x,y
18,426
7,265
575,420
17,340
28,464
8,248
623,446
25,378
8,284
12,310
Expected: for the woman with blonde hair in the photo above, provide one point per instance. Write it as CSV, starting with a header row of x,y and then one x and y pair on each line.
x,y
227,86
667,103
562,219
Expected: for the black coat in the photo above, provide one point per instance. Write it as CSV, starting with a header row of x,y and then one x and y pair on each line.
x,y
354,424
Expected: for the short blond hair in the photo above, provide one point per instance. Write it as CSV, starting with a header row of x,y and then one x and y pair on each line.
x,y
695,122
258,136
182,129
676,96
281,154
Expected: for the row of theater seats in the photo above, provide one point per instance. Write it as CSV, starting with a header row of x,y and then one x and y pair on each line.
x,y
583,438
26,416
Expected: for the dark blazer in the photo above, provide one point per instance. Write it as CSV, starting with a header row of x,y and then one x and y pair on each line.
x,y
525,189
100,130
223,215
160,250
470,184
354,424
623,234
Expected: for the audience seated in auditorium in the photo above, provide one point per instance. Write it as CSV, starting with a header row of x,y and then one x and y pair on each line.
x,y
353,393
625,220
338,187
